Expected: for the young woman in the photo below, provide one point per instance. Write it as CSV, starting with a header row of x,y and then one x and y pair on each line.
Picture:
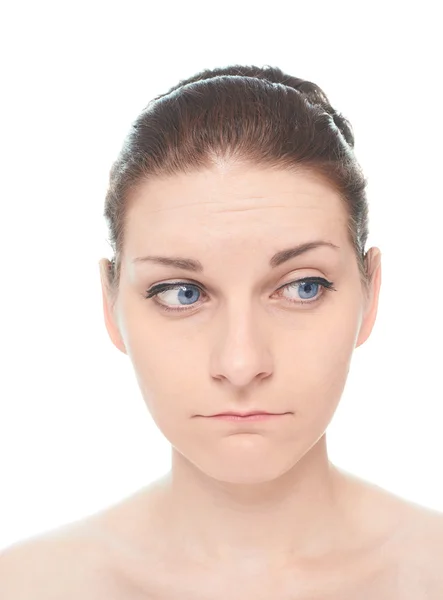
x,y
240,284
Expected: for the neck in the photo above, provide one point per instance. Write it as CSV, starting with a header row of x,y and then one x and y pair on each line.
x,y
300,514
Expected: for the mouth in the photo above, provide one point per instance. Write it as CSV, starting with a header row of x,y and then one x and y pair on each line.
x,y
257,416
243,414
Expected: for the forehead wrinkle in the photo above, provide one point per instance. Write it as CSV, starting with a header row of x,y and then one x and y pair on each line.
x,y
175,190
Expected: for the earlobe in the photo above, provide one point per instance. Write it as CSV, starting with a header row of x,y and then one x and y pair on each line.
x,y
371,302
108,313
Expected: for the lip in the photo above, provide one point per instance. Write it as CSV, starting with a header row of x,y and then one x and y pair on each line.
x,y
240,414
246,417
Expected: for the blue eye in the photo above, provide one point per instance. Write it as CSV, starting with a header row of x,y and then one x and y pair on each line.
x,y
307,287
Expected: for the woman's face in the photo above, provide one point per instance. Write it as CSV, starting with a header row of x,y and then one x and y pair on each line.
x,y
240,338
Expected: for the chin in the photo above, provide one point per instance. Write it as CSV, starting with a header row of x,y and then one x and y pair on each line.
x,y
247,471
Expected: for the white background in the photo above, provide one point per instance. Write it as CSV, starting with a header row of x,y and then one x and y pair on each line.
x,y
75,435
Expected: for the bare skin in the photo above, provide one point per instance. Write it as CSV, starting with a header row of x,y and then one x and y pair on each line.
x,y
391,550
250,510
125,553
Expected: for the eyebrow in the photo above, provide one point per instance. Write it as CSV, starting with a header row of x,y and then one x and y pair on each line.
x,y
189,264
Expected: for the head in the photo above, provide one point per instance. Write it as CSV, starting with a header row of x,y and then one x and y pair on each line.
x,y
230,169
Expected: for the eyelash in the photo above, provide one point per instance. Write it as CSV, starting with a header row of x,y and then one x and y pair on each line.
x,y
163,287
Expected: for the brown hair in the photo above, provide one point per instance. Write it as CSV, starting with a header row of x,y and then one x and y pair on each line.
x,y
250,114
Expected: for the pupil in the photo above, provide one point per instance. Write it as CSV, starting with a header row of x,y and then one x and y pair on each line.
x,y
307,289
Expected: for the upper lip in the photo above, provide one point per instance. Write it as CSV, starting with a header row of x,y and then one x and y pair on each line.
x,y
244,414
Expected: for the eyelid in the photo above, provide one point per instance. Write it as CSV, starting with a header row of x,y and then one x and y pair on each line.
x,y
159,288
211,290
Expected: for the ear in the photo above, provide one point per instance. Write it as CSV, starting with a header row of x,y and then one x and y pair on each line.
x,y
108,308
373,263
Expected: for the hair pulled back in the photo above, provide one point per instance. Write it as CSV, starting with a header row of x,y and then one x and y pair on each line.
x,y
248,114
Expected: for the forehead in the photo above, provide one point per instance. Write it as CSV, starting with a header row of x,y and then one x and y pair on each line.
x,y
234,203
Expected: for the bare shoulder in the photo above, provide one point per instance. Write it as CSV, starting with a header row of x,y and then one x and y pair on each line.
x,y
426,537
70,562
89,559
422,553
407,550
415,557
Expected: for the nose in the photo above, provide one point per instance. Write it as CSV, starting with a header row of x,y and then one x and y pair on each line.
x,y
241,354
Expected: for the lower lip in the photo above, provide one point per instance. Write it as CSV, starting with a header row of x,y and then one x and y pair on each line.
x,y
245,419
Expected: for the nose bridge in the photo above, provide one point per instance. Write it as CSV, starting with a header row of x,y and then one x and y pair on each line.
x,y
241,351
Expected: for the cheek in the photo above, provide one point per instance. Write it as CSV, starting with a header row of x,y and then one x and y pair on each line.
x,y
165,372
319,376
